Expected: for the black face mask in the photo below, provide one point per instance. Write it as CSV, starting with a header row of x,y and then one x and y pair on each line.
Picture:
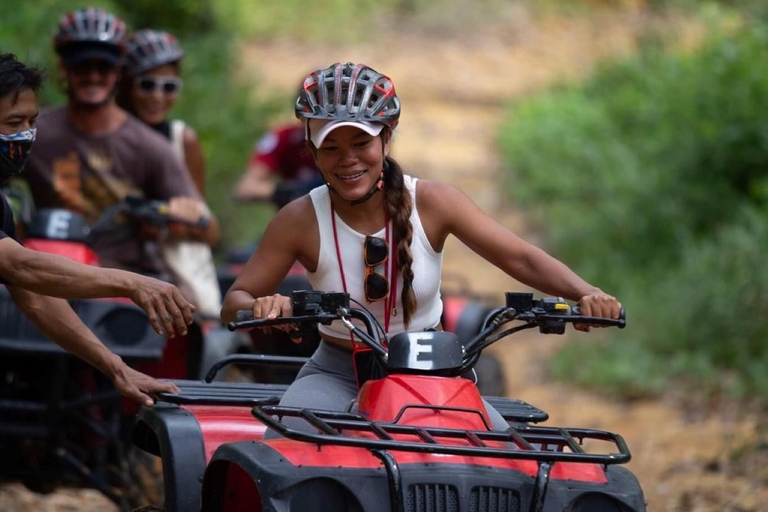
x,y
14,150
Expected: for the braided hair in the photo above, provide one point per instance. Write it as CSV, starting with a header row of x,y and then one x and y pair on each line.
x,y
400,206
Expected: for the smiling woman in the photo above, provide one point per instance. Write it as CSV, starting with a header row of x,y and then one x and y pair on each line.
x,y
150,88
349,112
349,158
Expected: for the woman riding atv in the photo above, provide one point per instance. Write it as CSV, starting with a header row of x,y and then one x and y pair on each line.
x,y
150,88
378,235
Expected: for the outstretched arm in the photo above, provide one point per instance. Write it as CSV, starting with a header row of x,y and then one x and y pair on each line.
x,y
450,211
291,235
193,155
256,184
49,274
59,323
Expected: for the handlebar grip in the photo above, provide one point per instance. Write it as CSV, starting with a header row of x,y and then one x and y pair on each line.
x,y
244,315
576,310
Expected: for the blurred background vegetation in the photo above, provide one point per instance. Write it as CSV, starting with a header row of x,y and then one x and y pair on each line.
x,y
649,177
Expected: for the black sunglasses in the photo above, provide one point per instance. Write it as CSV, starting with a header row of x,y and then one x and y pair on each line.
x,y
168,86
375,253
99,66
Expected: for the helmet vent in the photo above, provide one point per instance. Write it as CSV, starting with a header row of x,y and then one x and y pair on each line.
x,y
349,91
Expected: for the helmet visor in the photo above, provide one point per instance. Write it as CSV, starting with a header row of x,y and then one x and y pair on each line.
x,y
319,129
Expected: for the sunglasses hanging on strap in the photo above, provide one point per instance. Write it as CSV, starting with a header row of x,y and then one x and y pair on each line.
x,y
376,287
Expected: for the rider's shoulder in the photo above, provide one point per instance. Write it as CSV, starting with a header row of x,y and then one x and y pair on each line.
x,y
299,213
190,135
435,194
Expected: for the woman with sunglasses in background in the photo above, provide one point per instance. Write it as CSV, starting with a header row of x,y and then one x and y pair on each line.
x,y
151,86
378,235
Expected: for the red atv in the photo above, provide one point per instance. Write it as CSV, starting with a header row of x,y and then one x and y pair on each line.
x,y
61,420
417,439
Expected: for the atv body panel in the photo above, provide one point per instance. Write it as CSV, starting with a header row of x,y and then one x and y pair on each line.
x,y
259,477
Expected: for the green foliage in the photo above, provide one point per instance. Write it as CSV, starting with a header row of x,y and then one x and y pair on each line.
x,y
641,179
698,324
349,20
180,17
228,122
217,105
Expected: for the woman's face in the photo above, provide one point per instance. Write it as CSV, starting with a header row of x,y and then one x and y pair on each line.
x,y
154,93
351,161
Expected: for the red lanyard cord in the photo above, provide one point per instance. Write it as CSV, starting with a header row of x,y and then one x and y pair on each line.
x,y
391,304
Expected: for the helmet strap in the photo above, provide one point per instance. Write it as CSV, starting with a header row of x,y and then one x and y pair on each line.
x,y
376,187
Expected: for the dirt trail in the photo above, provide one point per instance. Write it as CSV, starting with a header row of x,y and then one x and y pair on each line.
x,y
681,461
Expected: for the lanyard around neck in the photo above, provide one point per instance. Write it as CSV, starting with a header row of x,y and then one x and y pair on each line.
x,y
390,308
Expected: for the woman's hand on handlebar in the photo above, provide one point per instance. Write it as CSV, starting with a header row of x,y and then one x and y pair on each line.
x,y
598,304
274,306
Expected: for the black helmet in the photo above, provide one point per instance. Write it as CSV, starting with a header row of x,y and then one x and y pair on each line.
x,y
348,92
149,49
90,33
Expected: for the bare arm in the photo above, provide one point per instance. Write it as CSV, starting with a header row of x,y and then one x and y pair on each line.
x,y
193,154
291,235
49,274
256,184
58,322
449,211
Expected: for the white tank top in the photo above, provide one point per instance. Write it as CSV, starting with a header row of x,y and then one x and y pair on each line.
x,y
177,138
427,267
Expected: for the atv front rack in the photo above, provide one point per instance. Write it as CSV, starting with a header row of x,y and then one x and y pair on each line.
x,y
542,444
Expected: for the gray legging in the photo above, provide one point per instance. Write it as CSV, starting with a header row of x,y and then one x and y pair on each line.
x,y
327,382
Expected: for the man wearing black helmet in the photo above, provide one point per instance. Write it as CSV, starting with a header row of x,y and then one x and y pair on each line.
x,y
35,278
91,154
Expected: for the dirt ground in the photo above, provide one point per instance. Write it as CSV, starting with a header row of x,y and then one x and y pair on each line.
x,y
453,92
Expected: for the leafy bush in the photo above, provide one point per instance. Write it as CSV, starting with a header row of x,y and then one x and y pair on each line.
x,y
699,324
641,179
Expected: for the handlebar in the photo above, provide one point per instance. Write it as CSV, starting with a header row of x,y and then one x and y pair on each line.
x,y
550,315
157,213
322,308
